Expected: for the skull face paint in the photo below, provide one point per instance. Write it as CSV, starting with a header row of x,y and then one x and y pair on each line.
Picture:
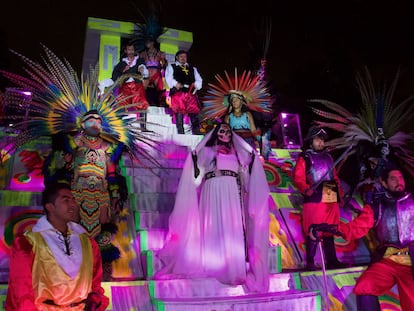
x,y
224,134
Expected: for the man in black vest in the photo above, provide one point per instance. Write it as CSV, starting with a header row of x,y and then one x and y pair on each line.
x,y
184,81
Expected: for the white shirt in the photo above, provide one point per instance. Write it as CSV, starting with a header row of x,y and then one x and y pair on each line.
x,y
171,82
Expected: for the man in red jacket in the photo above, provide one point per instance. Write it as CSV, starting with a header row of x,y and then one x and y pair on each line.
x,y
316,178
56,265
391,217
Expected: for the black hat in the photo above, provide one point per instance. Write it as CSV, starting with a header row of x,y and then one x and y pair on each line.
x,y
180,52
316,131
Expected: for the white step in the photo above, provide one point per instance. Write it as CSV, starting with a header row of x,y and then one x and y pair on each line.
x,y
160,120
292,301
152,240
211,288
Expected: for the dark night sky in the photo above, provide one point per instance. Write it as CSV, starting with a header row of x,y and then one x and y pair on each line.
x,y
316,46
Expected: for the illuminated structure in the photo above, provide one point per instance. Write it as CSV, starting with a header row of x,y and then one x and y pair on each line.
x,y
104,40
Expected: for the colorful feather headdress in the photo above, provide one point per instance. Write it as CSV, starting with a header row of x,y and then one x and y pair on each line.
x,y
248,85
56,100
380,122
151,29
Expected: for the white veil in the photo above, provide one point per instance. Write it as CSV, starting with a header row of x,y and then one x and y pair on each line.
x,y
181,254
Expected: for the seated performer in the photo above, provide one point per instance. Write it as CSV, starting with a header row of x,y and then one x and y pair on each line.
x,y
233,99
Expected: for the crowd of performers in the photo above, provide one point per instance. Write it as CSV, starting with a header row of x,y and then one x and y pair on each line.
x,y
219,224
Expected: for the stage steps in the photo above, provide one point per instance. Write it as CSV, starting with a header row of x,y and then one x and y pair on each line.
x,y
161,121
292,301
206,294
151,264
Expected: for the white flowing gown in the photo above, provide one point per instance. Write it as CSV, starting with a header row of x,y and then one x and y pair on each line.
x,y
222,231
211,228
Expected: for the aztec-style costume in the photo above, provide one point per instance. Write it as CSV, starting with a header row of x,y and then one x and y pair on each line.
x,y
155,62
145,38
86,157
220,218
154,59
250,90
377,133
47,278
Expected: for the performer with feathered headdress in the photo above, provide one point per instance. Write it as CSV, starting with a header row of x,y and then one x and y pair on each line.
x,y
145,38
376,131
232,99
89,134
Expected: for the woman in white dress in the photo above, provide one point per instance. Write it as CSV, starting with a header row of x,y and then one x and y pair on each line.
x,y
220,223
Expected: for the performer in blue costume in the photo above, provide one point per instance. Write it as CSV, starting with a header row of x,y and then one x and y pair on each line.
x,y
233,98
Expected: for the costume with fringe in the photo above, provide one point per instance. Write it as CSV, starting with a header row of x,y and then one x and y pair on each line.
x,y
216,101
58,105
218,222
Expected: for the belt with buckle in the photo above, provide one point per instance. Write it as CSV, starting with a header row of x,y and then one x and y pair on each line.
x,y
221,173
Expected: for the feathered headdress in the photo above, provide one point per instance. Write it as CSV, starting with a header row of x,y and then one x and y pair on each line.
x,y
56,101
151,29
247,86
259,45
380,122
